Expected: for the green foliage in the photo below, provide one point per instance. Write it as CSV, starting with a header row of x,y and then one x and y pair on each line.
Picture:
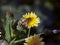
x,y
12,35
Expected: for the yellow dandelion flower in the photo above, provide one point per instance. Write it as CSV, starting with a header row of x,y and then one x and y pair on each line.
x,y
32,18
33,40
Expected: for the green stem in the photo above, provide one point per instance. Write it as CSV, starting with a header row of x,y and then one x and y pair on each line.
x,y
19,40
12,41
10,30
29,32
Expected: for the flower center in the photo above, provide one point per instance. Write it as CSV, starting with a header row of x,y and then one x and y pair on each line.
x,y
34,43
28,20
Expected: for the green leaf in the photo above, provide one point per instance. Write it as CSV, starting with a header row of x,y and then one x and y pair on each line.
x,y
7,30
20,28
24,31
